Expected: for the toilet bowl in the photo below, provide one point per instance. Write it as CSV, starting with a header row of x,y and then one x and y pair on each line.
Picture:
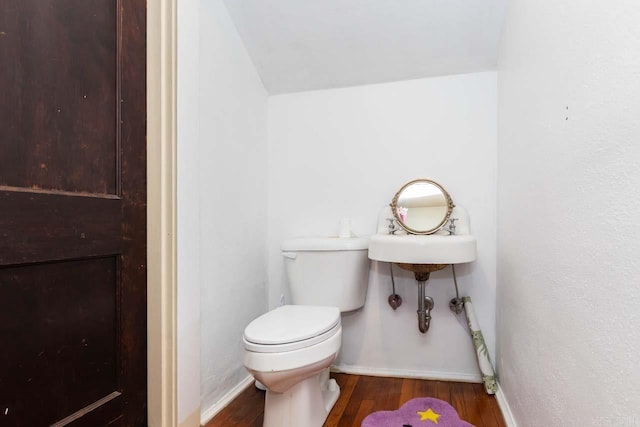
x,y
289,350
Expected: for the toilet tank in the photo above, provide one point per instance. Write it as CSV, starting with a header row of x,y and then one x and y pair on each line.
x,y
327,271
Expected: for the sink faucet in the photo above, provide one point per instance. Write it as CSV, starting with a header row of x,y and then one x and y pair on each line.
x,y
451,229
392,227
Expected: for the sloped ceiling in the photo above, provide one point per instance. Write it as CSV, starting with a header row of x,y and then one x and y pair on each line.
x,y
299,45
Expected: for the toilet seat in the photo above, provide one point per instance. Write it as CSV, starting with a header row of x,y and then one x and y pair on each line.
x,y
283,348
291,327
256,361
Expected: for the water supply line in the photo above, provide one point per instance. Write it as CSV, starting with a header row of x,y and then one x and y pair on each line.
x,y
394,299
456,304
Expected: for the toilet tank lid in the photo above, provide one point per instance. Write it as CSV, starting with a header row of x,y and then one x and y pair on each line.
x,y
309,244
291,323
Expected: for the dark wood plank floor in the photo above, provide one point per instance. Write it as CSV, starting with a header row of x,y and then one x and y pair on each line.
x,y
361,395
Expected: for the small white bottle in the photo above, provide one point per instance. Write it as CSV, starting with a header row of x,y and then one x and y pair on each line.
x,y
345,228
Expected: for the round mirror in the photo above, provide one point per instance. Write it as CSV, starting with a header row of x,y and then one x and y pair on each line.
x,y
422,206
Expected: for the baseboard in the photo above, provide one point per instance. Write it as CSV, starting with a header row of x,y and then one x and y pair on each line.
x,y
210,412
505,408
192,420
406,373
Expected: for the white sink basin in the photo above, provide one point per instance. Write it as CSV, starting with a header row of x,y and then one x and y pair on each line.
x,y
421,249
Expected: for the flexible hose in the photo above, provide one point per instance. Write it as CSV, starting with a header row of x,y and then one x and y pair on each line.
x,y
393,282
455,280
456,304
394,300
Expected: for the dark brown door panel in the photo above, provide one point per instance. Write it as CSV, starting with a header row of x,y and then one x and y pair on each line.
x,y
59,88
62,318
72,213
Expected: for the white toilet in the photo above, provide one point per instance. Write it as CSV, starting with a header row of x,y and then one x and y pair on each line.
x,y
290,349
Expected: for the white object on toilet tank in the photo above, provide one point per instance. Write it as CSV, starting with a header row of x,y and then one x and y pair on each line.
x,y
345,228
327,271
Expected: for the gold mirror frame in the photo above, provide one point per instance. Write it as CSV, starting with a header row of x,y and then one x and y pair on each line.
x,y
394,207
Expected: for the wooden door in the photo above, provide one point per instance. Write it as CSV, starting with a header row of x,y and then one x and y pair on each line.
x,y
72,213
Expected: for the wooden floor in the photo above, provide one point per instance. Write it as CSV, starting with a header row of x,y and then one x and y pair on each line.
x,y
362,395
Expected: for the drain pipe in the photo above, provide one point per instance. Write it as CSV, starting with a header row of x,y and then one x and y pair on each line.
x,y
425,303
421,273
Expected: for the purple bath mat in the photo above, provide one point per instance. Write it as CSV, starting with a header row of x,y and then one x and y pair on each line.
x,y
420,412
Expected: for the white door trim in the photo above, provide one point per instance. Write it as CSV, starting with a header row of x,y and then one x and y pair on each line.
x,y
161,213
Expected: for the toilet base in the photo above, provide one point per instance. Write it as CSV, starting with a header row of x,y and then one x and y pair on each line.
x,y
305,404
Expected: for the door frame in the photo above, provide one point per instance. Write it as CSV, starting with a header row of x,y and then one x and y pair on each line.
x,y
161,213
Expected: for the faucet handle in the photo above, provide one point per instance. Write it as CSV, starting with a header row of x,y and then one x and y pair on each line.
x,y
392,225
451,229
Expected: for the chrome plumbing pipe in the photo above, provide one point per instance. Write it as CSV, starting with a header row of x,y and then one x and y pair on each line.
x,y
425,305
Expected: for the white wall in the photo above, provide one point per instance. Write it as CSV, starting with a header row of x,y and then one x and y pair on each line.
x,y
232,167
222,211
569,234
344,153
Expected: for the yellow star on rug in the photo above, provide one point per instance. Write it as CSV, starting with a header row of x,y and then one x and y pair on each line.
x,y
429,415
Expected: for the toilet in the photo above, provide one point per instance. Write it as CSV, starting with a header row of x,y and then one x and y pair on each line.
x,y
290,349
